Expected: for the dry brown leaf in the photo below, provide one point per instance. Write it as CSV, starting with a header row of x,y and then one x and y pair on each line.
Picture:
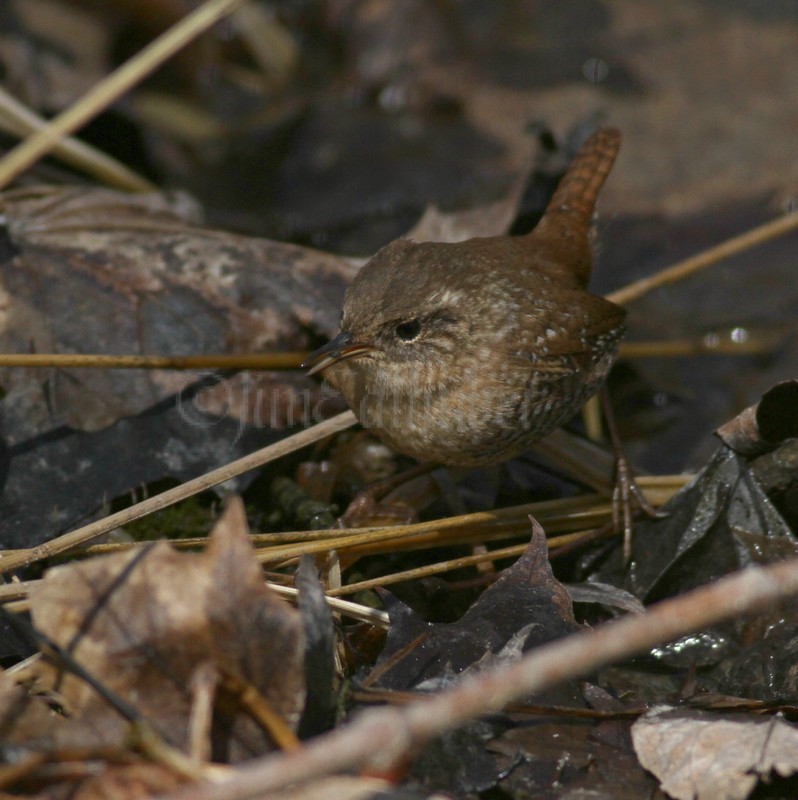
x,y
21,711
696,754
457,226
143,624
94,270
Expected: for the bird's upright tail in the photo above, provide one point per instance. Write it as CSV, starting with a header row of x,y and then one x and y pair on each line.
x,y
569,213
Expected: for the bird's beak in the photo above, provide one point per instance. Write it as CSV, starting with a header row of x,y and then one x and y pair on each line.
x,y
338,349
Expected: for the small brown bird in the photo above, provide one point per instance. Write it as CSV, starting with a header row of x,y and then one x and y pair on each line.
x,y
467,353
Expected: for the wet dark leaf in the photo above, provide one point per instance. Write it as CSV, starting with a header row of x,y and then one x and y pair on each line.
x,y
604,594
99,271
568,760
720,522
74,473
523,609
461,762
372,190
758,659
319,713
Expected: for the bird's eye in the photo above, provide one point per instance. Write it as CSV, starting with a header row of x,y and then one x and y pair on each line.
x,y
407,331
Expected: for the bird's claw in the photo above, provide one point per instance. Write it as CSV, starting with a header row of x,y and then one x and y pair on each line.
x,y
627,495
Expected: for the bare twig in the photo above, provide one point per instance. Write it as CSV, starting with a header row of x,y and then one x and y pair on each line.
x,y
569,514
665,348
680,270
261,710
581,511
440,567
673,348
14,597
710,344
373,616
265,361
16,118
379,738
299,440
113,87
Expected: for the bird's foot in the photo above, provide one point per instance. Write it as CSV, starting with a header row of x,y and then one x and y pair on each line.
x,y
627,496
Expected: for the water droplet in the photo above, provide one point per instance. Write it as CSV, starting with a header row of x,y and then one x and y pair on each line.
x,y
595,70
739,335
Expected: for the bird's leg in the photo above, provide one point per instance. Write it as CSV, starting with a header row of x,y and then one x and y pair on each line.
x,y
367,502
626,492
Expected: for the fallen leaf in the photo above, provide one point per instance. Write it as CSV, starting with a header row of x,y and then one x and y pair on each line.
x,y
721,521
319,713
22,712
604,594
75,473
525,607
569,759
457,226
93,270
697,755
143,622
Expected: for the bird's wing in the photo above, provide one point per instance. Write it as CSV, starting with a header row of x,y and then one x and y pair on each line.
x,y
579,334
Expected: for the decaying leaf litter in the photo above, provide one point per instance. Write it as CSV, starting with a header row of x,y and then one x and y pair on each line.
x,y
178,287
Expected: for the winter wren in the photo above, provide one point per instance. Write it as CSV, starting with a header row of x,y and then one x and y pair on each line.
x,y
466,353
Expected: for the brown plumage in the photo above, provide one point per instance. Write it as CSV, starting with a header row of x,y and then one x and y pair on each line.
x,y
467,353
